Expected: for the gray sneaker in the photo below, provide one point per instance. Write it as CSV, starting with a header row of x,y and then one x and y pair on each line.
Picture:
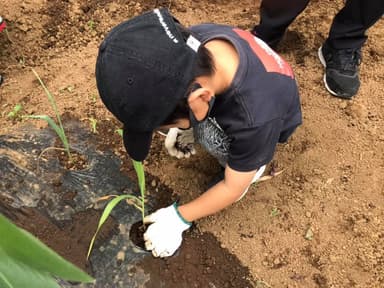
x,y
341,76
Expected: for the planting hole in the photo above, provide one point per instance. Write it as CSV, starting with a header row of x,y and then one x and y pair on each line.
x,y
78,161
136,234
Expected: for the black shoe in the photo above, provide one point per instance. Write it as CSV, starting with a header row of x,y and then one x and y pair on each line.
x,y
341,76
1,79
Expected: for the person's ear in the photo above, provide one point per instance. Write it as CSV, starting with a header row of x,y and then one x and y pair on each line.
x,y
198,102
201,94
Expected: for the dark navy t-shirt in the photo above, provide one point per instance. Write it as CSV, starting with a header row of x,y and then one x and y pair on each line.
x,y
261,107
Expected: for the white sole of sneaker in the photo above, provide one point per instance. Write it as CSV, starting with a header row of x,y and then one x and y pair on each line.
x,y
322,60
257,176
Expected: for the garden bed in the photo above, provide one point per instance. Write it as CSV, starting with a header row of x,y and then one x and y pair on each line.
x,y
318,224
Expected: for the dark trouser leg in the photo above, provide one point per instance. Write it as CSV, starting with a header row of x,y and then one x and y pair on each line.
x,y
350,24
275,17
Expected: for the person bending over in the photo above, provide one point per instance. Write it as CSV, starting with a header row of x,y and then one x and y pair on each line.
x,y
214,84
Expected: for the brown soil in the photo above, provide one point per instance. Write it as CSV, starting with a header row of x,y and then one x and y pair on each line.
x,y
318,224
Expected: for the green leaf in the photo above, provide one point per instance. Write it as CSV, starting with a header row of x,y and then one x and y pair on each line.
x,y
14,274
58,118
50,97
275,212
59,131
120,132
140,176
17,108
15,113
27,262
107,210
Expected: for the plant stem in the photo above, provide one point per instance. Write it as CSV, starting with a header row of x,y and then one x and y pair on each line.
x,y
141,178
58,118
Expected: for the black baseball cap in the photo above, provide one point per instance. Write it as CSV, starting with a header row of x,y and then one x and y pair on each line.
x,y
144,68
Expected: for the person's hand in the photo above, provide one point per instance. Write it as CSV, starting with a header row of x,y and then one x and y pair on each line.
x,y
179,143
164,235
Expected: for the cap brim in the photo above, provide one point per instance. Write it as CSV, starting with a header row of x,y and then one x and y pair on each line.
x,y
137,144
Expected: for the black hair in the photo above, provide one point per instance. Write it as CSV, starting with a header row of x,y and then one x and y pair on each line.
x,y
204,64
204,67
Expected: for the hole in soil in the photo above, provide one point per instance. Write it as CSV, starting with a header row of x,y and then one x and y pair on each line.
x,y
136,234
78,162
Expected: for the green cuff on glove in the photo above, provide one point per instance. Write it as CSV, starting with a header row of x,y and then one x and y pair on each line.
x,y
180,216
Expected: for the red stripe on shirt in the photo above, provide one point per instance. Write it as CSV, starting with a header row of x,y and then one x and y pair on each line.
x,y
270,59
2,26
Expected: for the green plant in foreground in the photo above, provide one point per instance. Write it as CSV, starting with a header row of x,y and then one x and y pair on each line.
x,y
15,113
137,202
27,262
57,127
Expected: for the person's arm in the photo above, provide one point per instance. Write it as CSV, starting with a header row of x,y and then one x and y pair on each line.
x,y
164,235
219,196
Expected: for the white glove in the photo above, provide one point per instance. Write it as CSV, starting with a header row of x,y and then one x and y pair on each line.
x,y
164,235
179,143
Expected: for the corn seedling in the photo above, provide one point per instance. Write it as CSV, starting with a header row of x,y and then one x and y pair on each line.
x,y
15,113
57,127
137,202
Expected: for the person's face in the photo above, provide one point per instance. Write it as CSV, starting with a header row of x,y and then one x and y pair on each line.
x,y
198,102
